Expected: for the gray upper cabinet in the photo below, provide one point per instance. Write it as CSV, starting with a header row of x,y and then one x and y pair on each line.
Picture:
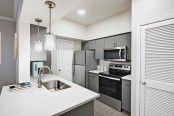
x,y
129,46
88,45
110,42
99,49
121,40
124,40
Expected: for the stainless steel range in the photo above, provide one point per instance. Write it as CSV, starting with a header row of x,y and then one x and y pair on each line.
x,y
110,84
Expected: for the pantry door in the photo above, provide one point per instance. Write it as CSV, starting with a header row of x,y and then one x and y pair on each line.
x,y
157,69
64,59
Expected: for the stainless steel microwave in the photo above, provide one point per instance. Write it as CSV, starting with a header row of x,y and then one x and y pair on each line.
x,y
116,54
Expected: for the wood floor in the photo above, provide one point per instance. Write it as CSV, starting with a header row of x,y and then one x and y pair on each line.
x,y
101,109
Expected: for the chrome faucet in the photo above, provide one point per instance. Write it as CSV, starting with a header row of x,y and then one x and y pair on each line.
x,y
41,71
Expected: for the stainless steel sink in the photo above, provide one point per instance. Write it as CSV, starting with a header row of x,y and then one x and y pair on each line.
x,y
55,85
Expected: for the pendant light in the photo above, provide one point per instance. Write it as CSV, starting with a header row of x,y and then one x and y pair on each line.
x,y
50,39
38,44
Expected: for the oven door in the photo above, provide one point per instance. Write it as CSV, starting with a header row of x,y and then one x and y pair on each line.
x,y
110,86
116,54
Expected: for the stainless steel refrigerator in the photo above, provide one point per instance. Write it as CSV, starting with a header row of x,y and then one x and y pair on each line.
x,y
84,61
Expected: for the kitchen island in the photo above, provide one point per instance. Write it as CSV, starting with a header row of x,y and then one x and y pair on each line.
x,y
73,101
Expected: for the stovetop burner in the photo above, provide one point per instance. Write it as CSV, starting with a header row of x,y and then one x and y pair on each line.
x,y
117,71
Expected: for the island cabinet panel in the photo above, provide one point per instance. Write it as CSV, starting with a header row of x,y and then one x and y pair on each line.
x,y
110,42
94,82
88,45
99,49
126,95
84,110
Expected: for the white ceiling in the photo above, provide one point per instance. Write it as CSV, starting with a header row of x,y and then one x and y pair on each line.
x,y
97,10
32,9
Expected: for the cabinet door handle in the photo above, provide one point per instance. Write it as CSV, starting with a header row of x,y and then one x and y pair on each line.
x,y
115,44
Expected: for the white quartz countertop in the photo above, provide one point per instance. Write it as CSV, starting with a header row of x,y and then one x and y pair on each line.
x,y
41,102
96,71
127,77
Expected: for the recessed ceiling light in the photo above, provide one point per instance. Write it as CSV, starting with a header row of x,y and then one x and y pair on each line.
x,y
81,12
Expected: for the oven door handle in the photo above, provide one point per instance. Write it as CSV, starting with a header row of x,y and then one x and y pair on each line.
x,y
115,79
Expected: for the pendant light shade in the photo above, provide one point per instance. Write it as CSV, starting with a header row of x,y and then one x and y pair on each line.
x,y
50,39
38,46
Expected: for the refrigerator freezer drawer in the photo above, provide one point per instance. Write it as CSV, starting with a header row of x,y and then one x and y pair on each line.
x,y
79,75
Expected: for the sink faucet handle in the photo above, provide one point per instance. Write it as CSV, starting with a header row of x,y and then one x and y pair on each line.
x,y
39,84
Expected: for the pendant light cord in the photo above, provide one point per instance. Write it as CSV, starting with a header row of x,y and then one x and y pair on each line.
x,y
38,30
50,20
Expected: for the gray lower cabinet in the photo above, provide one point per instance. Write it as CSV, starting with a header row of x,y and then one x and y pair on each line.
x,y
88,45
93,82
99,49
126,95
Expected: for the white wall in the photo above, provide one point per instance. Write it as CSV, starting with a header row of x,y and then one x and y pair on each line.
x,y
120,23
143,10
77,45
117,24
23,52
67,28
20,3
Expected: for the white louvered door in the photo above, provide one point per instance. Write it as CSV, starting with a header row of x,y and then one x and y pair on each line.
x,y
157,69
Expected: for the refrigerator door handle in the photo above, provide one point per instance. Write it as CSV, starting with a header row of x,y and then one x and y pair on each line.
x,y
73,70
73,65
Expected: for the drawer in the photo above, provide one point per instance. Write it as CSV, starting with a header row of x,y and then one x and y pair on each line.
x,y
92,75
126,82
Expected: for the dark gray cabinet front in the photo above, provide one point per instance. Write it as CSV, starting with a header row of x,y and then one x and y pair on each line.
x,y
129,46
110,42
94,82
126,95
88,45
99,49
121,40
